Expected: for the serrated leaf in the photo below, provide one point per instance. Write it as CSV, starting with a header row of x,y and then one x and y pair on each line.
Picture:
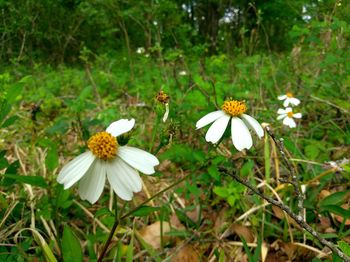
x,y
71,249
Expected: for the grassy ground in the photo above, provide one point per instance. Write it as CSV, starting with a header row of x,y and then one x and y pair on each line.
x,y
48,113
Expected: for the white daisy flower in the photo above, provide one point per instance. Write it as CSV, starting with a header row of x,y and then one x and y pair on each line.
x,y
240,124
107,158
287,115
183,73
289,99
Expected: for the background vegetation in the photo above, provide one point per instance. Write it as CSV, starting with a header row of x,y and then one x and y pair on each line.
x,y
70,67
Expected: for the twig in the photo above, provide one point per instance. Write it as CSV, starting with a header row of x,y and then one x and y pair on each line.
x,y
298,218
293,177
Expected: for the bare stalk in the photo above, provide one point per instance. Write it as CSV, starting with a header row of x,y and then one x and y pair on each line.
x,y
292,179
298,219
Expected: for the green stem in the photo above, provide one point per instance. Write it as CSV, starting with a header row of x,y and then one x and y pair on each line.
x,y
116,222
111,234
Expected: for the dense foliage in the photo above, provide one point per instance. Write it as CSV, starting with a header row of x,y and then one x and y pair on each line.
x,y
58,31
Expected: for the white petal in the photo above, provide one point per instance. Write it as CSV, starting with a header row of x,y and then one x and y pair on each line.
x,y
253,124
281,111
281,116
92,184
120,127
288,109
165,117
129,175
297,115
241,137
75,169
217,129
282,97
115,177
286,102
138,159
294,101
209,118
288,121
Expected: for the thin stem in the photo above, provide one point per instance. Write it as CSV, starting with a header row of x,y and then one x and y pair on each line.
x,y
293,177
116,223
117,220
298,218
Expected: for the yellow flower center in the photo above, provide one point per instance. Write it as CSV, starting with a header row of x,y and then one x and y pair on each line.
x,y
103,145
162,97
290,114
289,94
234,107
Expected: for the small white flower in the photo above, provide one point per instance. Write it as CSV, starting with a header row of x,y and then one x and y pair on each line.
x,y
289,99
182,73
287,115
107,158
140,50
240,124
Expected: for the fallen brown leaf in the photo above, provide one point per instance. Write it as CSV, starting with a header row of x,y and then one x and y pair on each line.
x,y
151,234
186,254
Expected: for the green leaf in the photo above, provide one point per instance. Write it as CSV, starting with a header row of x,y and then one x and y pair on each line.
x,y
4,110
31,180
145,211
312,151
51,159
71,249
214,172
345,247
9,121
247,168
267,157
337,210
103,211
221,191
335,199
130,250
13,93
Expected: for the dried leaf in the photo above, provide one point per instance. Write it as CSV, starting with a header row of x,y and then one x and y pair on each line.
x,y
324,193
186,254
278,212
194,214
151,234
241,231
289,249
